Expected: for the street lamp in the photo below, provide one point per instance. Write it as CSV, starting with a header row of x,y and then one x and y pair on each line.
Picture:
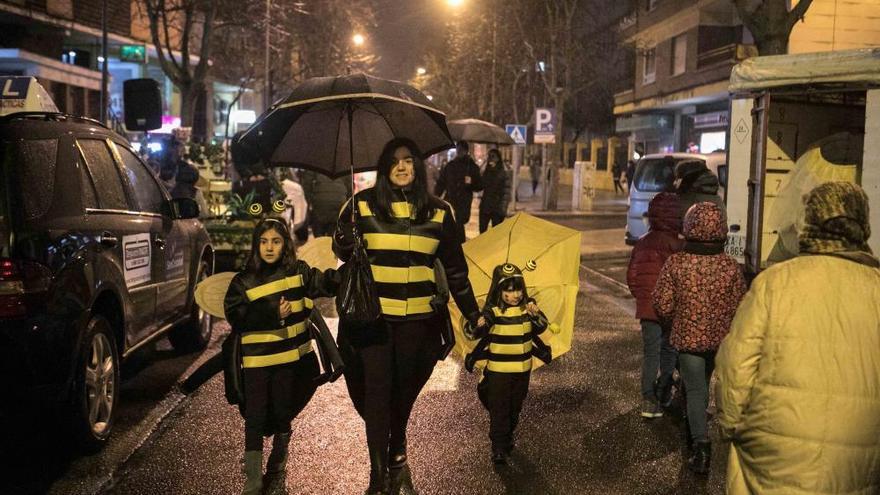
x,y
421,71
358,39
455,3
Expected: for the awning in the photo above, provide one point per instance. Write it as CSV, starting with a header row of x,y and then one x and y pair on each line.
x,y
859,66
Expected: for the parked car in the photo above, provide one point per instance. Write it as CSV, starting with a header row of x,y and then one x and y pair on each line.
x,y
654,174
96,261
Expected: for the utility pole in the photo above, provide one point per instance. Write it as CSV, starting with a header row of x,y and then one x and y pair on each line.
x,y
494,52
267,84
105,71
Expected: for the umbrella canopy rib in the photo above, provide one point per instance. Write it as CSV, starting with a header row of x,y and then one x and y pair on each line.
x,y
353,96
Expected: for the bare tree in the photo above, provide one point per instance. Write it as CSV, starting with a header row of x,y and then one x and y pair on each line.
x,y
179,28
771,22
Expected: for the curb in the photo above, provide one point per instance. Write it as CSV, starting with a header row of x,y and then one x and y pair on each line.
x,y
125,444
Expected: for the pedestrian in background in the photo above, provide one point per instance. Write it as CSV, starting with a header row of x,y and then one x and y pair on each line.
x,y
266,305
799,373
458,181
645,263
325,197
695,183
185,186
630,174
496,188
616,174
697,293
387,365
535,171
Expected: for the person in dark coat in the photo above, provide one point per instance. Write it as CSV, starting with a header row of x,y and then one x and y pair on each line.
x,y
695,183
648,256
325,197
387,365
459,180
630,173
697,294
496,188
511,318
535,171
266,305
616,173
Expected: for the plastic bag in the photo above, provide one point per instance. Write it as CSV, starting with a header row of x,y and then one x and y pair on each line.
x,y
357,302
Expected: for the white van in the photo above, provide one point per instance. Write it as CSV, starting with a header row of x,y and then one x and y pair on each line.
x,y
654,174
797,121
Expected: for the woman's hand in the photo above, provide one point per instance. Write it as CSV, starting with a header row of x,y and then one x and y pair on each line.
x,y
284,308
532,308
481,322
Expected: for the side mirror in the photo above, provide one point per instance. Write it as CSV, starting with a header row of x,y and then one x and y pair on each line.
x,y
185,208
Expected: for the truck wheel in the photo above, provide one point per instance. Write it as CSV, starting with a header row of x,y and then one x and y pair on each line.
x,y
195,334
97,385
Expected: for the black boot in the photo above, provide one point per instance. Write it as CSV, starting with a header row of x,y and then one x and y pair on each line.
x,y
379,480
401,481
701,459
275,481
397,455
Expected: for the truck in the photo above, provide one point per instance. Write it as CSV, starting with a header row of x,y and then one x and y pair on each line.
x,y
797,121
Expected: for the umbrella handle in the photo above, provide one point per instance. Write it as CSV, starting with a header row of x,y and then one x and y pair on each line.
x,y
350,112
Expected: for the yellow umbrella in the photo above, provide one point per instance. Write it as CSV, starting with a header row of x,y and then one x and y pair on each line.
x,y
211,292
553,283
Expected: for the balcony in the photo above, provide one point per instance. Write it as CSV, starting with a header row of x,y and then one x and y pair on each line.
x,y
727,54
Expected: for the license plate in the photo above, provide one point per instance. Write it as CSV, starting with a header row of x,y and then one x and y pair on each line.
x,y
736,246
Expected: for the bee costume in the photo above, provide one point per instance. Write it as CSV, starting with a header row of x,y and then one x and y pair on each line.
x,y
509,345
279,363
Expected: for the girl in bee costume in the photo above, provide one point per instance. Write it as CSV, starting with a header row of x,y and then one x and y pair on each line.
x,y
267,304
508,340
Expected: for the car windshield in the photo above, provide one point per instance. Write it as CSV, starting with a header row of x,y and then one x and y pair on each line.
x,y
655,174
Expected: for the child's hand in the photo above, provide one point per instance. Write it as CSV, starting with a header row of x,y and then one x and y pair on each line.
x,y
481,322
284,308
532,308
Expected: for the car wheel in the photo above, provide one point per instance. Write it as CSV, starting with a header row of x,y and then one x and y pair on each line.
x,y
97,384
195,334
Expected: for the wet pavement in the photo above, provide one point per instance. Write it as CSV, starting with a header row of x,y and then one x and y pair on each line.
x,y
580,430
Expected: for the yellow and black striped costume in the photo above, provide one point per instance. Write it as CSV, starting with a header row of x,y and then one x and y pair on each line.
x,y
512,340
252,310
402,253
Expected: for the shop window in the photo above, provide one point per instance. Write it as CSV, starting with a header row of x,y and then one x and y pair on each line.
x,y
649,66
711,141
679,54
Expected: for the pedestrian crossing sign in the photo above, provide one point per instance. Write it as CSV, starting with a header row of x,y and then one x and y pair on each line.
x,y
516,132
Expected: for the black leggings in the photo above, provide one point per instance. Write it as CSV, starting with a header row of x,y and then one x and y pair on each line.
x,y
384,374
274,395
502,394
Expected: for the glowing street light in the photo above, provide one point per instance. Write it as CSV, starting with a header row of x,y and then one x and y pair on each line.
x,y
421,71
429,97
358,39
455,3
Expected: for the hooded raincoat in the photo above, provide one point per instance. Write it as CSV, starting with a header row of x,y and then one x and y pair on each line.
x,y
799,373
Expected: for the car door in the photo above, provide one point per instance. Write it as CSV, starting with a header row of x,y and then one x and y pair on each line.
x,y
129,235
172,241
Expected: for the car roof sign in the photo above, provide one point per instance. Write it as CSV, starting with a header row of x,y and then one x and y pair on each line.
x,y
24,94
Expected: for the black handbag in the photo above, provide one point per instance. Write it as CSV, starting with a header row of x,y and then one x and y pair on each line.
x,y
357,302
440,303
233,373
328,354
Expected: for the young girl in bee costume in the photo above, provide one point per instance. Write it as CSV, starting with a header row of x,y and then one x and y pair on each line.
x,y
509,340
267,304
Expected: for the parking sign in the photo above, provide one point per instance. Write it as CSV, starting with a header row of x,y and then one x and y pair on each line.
x,y
545,125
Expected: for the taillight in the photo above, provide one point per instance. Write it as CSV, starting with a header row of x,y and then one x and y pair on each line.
x,y
23,286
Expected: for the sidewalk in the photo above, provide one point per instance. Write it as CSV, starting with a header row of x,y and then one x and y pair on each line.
x,y
598,243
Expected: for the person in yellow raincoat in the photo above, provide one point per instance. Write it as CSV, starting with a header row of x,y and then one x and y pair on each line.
x,y
799,372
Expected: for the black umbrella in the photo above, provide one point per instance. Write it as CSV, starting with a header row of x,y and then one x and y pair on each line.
x,y
478,131
338,125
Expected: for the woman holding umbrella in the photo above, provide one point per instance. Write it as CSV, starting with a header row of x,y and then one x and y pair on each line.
x,y
406,229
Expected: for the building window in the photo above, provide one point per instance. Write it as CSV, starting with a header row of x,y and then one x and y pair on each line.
x,y
651,4
649,66
679,54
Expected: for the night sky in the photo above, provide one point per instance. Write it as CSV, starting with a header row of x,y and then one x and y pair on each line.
x,y
405,29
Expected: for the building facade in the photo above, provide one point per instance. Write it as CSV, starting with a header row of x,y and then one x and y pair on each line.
x,y
685,50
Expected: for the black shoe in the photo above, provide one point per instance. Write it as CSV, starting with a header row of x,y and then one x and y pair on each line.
x,y
701,460
499,457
